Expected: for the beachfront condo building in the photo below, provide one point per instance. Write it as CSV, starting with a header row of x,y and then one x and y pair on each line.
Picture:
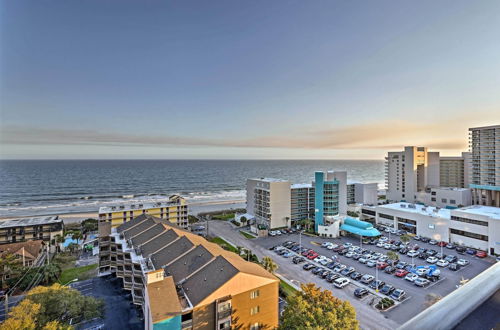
x,y
330,195
302,202
38,228
484,143
277,203
174,210
362,193
182,281
409,172
455,171
268,200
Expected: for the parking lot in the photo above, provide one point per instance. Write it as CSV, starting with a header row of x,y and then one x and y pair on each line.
x,y
415,300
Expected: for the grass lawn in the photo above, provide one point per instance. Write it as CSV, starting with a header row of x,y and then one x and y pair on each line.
x,y
246,235
287,288
224,244
81,273
226,216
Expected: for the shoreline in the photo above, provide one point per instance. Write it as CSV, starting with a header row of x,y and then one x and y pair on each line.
x,y
194,208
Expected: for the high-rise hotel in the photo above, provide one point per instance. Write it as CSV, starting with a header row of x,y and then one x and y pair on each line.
x,y
485,165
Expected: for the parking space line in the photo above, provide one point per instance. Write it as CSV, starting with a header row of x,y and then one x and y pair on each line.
x,y
434,283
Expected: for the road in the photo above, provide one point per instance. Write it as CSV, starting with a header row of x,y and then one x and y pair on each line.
x,y
368,316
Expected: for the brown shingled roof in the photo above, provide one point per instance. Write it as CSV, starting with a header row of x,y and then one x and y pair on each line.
x,y
163,300
31,248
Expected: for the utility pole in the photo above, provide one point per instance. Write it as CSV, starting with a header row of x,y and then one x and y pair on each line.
x,y
6,305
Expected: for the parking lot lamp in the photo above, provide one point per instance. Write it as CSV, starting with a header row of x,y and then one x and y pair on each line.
x,y
376,277
300,240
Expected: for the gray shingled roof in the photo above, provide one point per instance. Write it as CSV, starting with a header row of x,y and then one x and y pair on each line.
x,y
208,279
158,242
144,225
189,263
148,234
131,223
172,251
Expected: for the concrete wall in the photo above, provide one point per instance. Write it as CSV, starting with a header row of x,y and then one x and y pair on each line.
x,y
280,196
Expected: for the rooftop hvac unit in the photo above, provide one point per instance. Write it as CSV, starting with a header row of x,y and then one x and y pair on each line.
x,y
122,207
132,206
113,207
141,205
403,205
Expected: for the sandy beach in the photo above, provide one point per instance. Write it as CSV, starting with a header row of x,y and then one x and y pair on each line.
x,y
194,208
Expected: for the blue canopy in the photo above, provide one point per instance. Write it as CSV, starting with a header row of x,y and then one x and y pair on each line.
x,y
358,227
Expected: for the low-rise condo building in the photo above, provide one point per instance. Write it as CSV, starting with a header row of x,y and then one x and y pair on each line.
x,y
182,281
29,253
175,210
39,228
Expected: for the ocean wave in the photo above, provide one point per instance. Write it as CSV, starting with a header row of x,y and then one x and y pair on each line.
x,y
92,203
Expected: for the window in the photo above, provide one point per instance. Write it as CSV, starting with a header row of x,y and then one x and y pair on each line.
x,y
433,193
472,221
385,216
225,325
433,199
255,326
254,294
470,235
452,201
254,310
443,200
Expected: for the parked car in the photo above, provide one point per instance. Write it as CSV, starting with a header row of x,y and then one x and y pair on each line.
x,y
432,260
316,270
298,260
411,277
332,277
421,282
332,246
341,282
417,237
325,273
401,264
367,279
360,292
308,266
339,268
377,285
348,271
442,263
401,272
470,251
389,270
451,258
413,253
363,260
371,263
357,256
431,253
398,294
450,246
463,262
387,289
356,276
442,244
481,254
460,249
382,265
454,267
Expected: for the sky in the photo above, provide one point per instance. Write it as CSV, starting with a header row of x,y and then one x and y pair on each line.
x,y
245,79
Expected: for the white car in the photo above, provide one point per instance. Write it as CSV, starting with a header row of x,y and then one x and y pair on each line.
x,y
387,246
442,263
318,259
325,244
347,245
349,254
411,277
341,282
363,260
278,232
383,239
463,262
421,271
380,244
332,246
432,260
272,233
412,253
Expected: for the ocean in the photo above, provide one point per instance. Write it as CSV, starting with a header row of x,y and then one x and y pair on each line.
x,y
41,187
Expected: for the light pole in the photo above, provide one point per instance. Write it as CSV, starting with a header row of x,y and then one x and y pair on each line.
x,y
300,241
376,278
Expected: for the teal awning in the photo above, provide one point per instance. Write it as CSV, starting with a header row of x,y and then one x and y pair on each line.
x,y
359,227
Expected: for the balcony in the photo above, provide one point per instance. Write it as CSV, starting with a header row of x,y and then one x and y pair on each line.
x,y
187,324
224,314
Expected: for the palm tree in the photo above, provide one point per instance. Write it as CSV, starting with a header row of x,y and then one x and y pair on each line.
x,y
405,238
393,256
269,264
77,236
50,273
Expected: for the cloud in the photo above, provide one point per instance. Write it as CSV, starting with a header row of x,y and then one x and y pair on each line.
x,y
375,135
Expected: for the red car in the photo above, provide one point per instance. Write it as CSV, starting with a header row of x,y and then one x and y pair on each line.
x,y
442,243
312,256
481,254
382,265
401,273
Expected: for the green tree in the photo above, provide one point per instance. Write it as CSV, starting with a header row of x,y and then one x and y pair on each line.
x,y
393,256
9,266
77,236
269,264
61,303
89,225
306,223
313,308
72,247
405,238
243,221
